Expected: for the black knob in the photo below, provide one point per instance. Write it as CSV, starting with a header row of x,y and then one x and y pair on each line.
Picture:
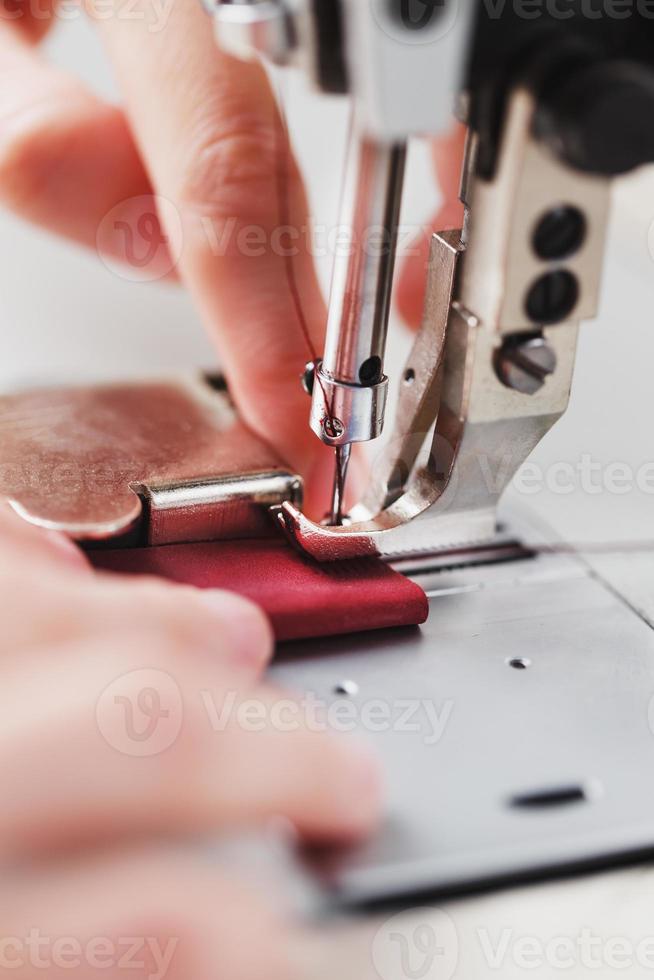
x,y
600,119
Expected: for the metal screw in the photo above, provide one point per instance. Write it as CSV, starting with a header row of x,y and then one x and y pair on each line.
x,y
333,428
560,233
525,363
552,298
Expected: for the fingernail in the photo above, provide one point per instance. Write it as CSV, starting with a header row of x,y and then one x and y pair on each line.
x,y
243,628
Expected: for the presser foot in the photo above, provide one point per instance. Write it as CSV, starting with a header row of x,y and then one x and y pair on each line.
x,y
380,537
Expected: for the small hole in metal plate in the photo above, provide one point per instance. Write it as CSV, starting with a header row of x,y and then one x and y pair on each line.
x,y
519,663
347,689
551,797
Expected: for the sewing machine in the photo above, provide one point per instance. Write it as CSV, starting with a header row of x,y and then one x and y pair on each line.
x,y
547,661
537,663
554,109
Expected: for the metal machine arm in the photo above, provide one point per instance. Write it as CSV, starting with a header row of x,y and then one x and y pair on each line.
x,y
555,110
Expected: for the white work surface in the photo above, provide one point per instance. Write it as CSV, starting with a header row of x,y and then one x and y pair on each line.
x,y
64,315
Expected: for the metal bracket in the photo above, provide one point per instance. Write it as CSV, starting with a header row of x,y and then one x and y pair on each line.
x,y
492,366
154,462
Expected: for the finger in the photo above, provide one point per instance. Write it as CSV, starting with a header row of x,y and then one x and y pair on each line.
x,y
209,129
124,736
156,915
448,159
31,19
55,610
66,158
21,542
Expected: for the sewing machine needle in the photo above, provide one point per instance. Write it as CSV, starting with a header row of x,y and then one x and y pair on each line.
x,y
343,454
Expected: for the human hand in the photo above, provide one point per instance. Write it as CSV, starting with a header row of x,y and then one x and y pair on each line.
x,y
447,154
99,796
199,141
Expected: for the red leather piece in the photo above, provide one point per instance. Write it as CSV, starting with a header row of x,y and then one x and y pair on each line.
x,y
302,598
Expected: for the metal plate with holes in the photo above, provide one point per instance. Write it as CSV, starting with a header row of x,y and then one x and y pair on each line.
x,y
528,692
